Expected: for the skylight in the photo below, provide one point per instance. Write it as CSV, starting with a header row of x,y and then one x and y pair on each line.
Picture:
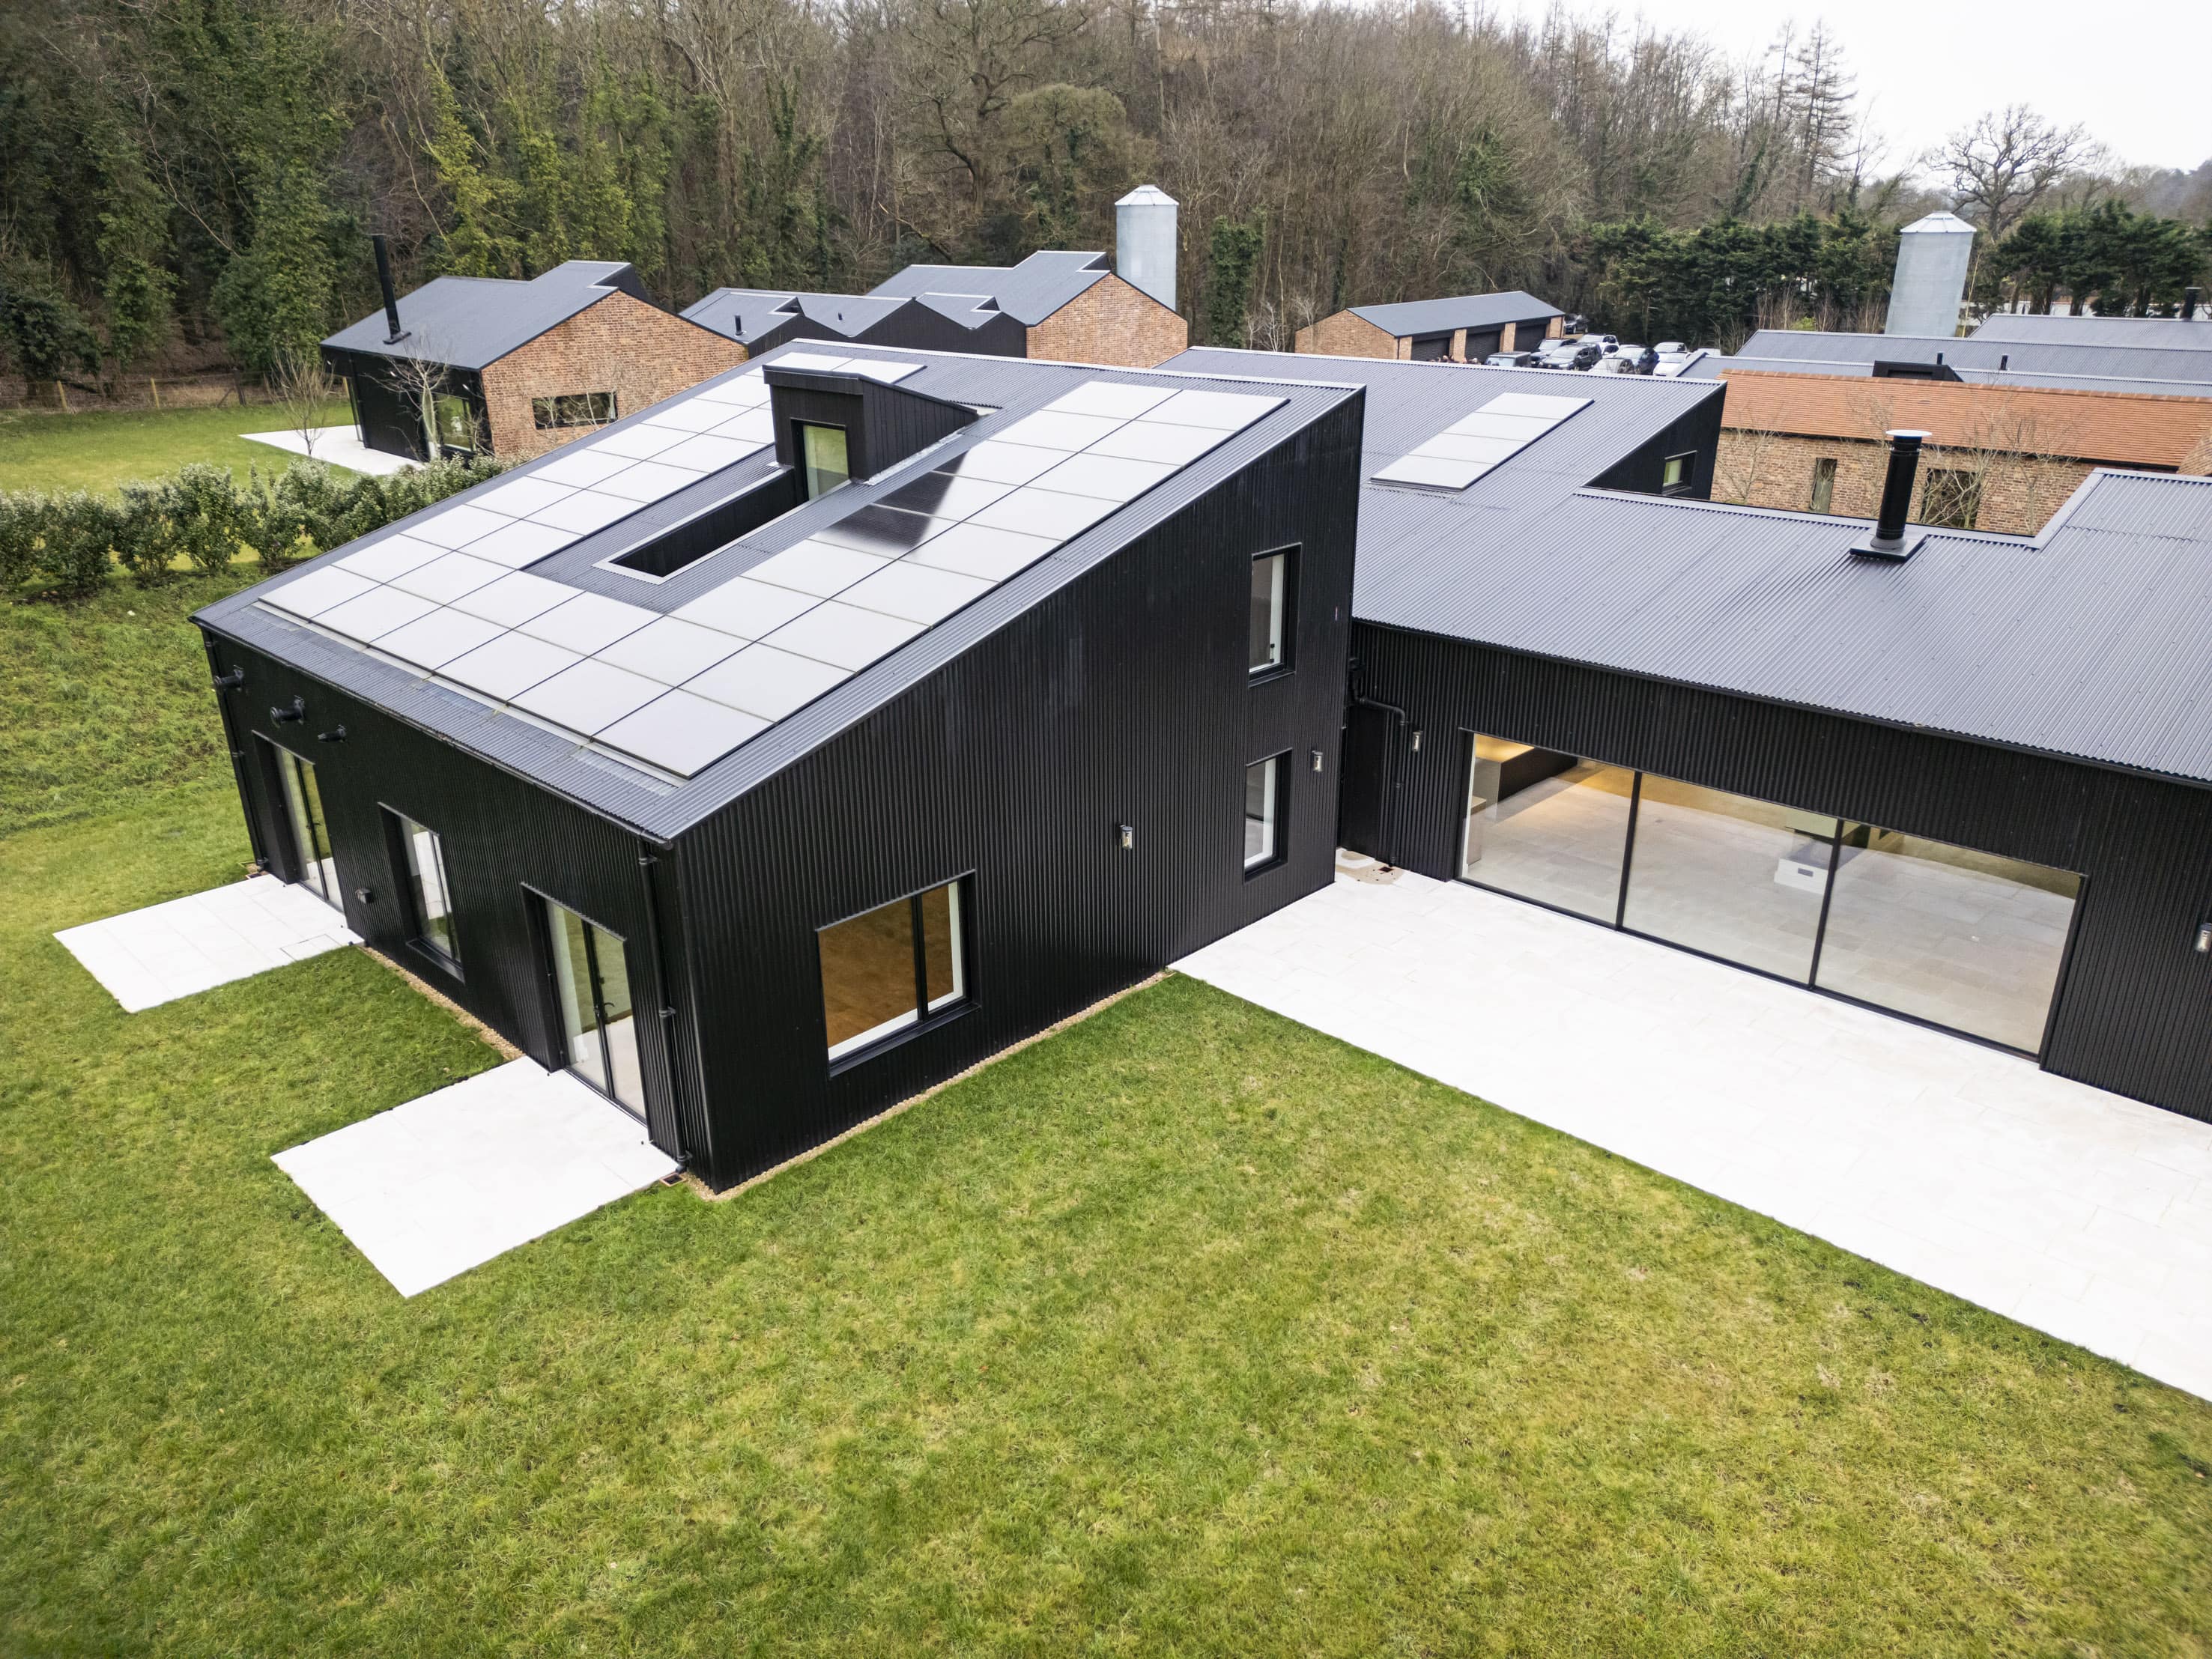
x,y
1472,445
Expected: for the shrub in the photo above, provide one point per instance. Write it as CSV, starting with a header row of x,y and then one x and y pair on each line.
x,y
21,513
76,541
142,535
205,515
299,512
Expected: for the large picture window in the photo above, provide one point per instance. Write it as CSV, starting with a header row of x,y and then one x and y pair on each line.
x,y
429,899
1969,941
1271,613
892,966
599,1025
572,409
824,460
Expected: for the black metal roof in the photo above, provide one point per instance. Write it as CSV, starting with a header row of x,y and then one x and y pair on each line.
x,y
1476,311
1030,291
655,806
2092,640
2119,362
471,322
1712,366
748,314
2162,332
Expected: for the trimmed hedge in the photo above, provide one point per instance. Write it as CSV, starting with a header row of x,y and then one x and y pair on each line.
x,y
200,518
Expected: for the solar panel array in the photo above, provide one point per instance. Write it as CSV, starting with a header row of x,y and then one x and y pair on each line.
x,y
681,689
1472,445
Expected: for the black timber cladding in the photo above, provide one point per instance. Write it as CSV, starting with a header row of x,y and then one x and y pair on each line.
x,y
2134,1013
883,424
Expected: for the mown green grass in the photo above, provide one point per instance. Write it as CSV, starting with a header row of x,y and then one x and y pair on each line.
x,y
100,449
1189,1331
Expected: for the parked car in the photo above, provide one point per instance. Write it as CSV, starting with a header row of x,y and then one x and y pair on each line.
x,y
1671,349
1608,343
1585,354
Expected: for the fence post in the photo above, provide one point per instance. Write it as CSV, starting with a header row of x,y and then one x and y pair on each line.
x,y
153,390
62,392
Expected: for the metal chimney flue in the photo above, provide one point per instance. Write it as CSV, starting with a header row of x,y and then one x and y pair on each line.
x,y
391,298
2190,297
1887,541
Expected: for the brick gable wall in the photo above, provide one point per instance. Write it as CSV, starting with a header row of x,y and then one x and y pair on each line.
x,y
2019,493
1111,322
619,344
1345,335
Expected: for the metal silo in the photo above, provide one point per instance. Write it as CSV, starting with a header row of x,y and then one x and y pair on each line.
x,y
1933,257
1145,242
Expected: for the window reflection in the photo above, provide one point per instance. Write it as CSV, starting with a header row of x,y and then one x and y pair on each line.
x,y
1546,826
1959,938
1729,875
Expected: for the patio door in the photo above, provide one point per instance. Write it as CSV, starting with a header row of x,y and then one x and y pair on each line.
x,y
311,833
598,1027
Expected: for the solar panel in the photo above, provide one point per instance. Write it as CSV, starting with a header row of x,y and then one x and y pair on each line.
x,y
639,443
584,511
814,567
945,494
687,415
319,590
519,544
994,461
884,531
761,680
520,497
1486,452
1034,512
876,369
1221,412
1472,445
588,696
581,463
509,663
1149,441
744,607
1551,410
514,599
1113,398
975,550
588,622
709,453
1108,477
670,650
375,612
395,556
1432,471
433,641
915,593
648,481
843,635
446,579
682,732
746,389
456,525
755,427
813,360
1044,430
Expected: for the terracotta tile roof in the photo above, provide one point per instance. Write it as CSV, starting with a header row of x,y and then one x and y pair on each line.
x,y
2128,428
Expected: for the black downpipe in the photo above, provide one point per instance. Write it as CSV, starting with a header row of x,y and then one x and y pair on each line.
x,y
223,684
1887,541
2190,296
669,1016
384,280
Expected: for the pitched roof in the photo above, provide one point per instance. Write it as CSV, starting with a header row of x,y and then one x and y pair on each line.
x,y
747,314
488,659
2116,361
1712,366
2161,333
1476,311
471,322
1029,292
2124,428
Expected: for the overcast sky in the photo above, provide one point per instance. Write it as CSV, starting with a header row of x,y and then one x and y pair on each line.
x,y
2140,77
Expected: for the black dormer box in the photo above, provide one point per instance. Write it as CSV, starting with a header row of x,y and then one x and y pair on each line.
x,y
883,425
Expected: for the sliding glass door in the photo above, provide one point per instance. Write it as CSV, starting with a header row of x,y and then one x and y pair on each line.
x,y
310,834
1966,940
591,979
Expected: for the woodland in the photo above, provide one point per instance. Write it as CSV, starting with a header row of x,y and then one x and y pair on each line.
x,y
196,180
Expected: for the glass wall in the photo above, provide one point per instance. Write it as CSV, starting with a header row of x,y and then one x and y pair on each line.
x,y
1729,875
429,898
1959,938
1546,826
591,977
1967,940
311,833
883,970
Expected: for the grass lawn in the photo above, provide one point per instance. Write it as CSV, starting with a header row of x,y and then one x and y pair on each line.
x,y
100,450
1189,1331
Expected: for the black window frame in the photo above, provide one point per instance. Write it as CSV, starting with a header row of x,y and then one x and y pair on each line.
x,y
560,412
400,849
1688,482
541,924
925,1020
1289,555
1281,851
799,426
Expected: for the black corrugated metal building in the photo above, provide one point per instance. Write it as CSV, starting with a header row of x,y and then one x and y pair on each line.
x,y
781,785
1972,786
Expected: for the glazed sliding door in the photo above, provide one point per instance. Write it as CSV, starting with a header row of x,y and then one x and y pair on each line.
x,y
310,834
599,1025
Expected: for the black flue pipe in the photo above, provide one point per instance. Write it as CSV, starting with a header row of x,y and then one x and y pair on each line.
x,y
2190,296
391,299
1897,490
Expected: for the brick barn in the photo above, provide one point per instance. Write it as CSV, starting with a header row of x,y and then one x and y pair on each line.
x,y
479,365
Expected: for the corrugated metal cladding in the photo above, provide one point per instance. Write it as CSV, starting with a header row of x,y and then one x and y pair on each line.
x,y
1121,697
2135,1009
2116,361
501,836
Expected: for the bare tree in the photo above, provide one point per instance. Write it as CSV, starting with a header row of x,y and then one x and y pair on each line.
x,y
1741,466
418,371
2006,162
302,387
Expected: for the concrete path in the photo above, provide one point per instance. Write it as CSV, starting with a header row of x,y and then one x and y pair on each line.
x,y
454,1178
147,957
341,445
2079,1212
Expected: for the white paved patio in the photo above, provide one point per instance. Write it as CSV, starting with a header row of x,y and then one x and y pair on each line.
x,y
2079,1212
341,445
150,957
457,1176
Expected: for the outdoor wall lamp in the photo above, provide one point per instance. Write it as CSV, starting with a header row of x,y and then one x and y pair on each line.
x,y
1125,836
230,680
367,896
1417,739
336,734
2204,938
283,712
1316,760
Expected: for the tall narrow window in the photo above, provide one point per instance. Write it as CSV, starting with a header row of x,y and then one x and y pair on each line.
x,y
310,834
591,979
429,899
1263,805
1824,484
823,459
890,968
1271,612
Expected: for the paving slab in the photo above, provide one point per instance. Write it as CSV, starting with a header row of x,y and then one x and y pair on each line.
x,y
340,446
2082,1213
150,957
454,1178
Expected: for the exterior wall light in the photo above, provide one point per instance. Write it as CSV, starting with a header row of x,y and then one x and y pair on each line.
x,y
1316,760
367,896
1417,739
336,734
2204,938
283,712
1125,836
230,680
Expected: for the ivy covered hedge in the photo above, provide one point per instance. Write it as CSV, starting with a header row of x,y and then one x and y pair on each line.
x,y
200,518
